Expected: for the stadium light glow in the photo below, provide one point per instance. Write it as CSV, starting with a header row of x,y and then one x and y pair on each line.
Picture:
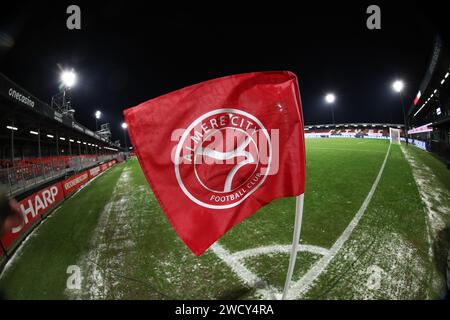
x,y
71,140
435,90
446,75
124,125
68,78
443,80
78,141
398,86
34,132
330,98
11,128
62,138
98,114
50,136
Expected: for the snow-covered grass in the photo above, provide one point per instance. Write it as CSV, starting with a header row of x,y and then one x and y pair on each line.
x,y
433,181
115,231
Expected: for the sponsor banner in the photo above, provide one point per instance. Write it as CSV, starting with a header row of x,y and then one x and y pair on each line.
x,y
94,172
419,144
44,200
104,167
421,129
71,184
77,126
32,208
375,135
378,137
21,97
316,135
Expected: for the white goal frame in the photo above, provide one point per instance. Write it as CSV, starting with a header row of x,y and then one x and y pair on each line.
x,y
394,135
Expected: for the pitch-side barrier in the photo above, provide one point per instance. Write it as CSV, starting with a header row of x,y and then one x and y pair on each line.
x,y
36,207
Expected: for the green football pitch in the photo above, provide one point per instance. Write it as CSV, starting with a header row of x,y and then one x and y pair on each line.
x,y
375,226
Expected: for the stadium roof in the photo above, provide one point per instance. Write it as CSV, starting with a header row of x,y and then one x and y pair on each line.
x,y
33,112
355,125
433,83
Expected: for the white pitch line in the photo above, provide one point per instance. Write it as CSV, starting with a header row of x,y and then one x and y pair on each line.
x,y
302,285
248,277
428,207
278,249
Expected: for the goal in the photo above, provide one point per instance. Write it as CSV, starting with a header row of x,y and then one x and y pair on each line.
x,y
394,135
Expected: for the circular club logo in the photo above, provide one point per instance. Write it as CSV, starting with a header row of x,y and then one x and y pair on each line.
x,y
222,158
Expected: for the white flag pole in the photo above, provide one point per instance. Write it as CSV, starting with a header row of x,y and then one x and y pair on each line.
x,y
295,243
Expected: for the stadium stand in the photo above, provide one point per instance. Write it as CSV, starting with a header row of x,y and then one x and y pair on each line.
x,y
429,113
352,130
39,145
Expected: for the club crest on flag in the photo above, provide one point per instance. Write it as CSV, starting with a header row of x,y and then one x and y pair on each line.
x,y
235,144
230,153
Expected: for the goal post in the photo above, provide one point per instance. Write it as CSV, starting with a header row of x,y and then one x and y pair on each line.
x,y
394,135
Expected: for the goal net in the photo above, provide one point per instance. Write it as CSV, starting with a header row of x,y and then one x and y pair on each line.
x,y
394,135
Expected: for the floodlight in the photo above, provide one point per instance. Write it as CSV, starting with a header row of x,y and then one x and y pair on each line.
x,y
68,78
330,98
398,86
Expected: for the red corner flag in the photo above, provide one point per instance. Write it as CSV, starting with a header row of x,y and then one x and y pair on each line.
x,y
215,152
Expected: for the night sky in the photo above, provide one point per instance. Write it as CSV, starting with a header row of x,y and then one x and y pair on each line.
x,y
128,52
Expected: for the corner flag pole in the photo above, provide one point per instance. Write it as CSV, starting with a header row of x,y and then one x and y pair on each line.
x,y
295,243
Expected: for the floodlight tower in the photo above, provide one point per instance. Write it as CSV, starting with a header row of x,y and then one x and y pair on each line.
x,y
330,98
124,127
105,132
98,114
398,86
61,101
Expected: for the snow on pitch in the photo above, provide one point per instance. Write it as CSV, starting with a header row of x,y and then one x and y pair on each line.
x,y
102,265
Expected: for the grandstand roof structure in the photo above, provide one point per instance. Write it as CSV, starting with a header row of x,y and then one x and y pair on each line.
x,y
431,104
29,116
354,125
